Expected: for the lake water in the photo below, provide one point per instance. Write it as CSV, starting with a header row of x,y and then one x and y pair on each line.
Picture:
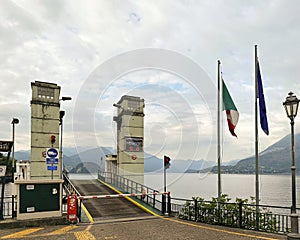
x,y
274,189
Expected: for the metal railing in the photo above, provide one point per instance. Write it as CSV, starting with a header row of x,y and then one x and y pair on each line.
x,y
70,189
273,219
68,185
161,203
9,207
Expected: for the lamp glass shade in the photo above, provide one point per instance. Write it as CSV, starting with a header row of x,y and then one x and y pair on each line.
x,y
291,106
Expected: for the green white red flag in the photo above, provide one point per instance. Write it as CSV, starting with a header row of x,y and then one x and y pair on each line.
x,y
231,110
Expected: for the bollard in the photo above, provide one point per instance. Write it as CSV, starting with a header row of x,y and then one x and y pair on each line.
x,y
293,236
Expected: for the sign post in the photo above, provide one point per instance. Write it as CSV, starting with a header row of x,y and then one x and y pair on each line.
x,y
52,158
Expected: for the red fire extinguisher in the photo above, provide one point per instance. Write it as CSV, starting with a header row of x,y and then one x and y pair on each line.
x,y
72,208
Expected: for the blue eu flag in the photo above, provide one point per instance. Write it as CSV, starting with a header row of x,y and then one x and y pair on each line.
x,y
262,104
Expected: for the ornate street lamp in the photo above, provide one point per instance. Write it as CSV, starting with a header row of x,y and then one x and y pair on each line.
x,y
291,107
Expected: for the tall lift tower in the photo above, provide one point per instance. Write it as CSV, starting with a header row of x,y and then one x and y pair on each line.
x,y
44,130
130,137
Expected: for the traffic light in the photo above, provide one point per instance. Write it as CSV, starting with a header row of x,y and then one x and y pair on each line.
x,y
61,115
52,139
167,161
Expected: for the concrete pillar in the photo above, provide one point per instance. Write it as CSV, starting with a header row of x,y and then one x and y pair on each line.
x,y
130,138
44,124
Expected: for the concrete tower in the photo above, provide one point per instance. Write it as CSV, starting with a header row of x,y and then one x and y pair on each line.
x,y
130,138
44,129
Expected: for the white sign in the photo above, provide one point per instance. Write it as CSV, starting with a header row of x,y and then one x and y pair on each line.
x,y
54,191
30,209
2,171
29,187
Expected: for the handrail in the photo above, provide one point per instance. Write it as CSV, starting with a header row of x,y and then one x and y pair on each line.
x,y
241,215
68,185
127,185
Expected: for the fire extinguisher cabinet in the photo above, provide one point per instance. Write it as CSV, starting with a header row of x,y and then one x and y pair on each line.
x,y
72,204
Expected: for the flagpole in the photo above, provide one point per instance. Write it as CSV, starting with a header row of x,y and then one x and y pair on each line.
x,y
219,130
256,143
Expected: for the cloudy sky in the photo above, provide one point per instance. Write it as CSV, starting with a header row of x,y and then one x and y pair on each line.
x,y
165,52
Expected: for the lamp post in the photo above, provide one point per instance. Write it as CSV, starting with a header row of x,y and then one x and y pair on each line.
x,y
13,122
61,115
291,107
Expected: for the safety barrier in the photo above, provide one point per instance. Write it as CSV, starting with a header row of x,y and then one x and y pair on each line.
x,y
123,195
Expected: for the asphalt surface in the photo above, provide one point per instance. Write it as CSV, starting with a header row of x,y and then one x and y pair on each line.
x,y
140,228
120,219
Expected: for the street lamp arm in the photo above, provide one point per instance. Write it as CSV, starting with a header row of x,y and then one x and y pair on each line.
x,y
66,98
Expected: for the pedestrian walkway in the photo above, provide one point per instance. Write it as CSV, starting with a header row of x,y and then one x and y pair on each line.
x,y
157,228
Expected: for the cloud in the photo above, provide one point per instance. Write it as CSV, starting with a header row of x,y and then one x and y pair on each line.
x,y
66,42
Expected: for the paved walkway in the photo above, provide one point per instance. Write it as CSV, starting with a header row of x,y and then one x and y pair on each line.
x,y
135,229
123,220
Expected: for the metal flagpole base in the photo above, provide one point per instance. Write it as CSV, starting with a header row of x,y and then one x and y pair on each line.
x,y
294,224
293,236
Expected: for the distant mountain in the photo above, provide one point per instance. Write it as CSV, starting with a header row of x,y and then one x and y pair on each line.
x,y
22,155
154,164
193,166
70,151
93,159
230,163
276,159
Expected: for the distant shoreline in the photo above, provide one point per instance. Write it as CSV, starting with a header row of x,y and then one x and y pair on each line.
x,y
284,173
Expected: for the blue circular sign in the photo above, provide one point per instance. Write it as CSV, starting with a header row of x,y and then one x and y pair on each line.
x,y
52,153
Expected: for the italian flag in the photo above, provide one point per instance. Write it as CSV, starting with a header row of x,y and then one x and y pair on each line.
x,y
231,110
